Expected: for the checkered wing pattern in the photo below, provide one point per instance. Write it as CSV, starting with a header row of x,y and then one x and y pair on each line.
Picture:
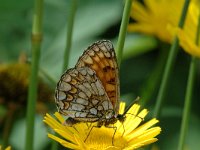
x,y
90,91
101,57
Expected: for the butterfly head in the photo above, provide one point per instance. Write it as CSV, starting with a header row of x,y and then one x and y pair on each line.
x,y
109,114
121,117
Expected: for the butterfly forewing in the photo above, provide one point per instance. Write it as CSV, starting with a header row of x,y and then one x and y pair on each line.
x,y
101,57
89,92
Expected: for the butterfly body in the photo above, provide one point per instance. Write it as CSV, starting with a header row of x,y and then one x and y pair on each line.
x,y
89,92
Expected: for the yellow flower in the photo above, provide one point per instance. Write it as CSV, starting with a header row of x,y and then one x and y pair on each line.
x,y
187,35
160,18
129,135
154,16
8,148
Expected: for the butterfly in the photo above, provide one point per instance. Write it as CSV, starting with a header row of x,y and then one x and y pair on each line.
x,y
89,92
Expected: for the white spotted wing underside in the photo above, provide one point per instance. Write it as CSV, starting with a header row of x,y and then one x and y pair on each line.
x,y
90,91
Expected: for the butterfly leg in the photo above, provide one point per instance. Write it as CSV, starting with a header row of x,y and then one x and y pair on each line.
x,y
115,130
88,124
100,123
89,133
124,130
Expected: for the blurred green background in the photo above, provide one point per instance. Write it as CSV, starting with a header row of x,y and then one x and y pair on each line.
x,y
140,73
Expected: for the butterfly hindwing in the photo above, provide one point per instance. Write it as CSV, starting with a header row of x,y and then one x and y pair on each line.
x,y
81,95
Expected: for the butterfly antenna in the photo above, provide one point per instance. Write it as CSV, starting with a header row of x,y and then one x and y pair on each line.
x,y
136,101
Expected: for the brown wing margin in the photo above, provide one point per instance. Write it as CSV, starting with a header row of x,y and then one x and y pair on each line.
x,y
101,57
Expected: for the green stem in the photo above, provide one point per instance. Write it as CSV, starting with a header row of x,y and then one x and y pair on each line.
x,y
123,30
169,65
153,81
8,124
188,96
70,25
32,90
187,105
54,144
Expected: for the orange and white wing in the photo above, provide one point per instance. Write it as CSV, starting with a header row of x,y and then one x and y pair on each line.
x,y
101,58
80,95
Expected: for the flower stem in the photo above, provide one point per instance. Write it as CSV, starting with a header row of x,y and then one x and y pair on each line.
x,y
8,123
187,105
153,81
70,25
123,30
188,96
32,90
169,64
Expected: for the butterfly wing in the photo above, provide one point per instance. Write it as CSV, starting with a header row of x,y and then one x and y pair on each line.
x,y
101,58
81,96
